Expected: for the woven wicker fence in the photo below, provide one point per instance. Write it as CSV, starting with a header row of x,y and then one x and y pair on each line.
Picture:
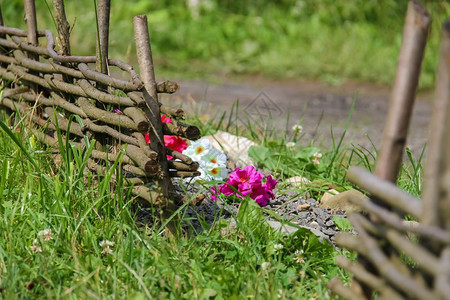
x,y
50,88
399,259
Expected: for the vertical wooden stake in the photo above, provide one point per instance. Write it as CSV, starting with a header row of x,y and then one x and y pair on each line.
x,y
144,54
415,35
30,16
103,12
63,26
437,173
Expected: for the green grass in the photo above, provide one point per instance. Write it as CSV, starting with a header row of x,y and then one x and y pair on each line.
x,y
310,39
221,262
82,210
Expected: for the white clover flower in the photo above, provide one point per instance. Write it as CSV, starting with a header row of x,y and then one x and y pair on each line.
x,y
278,247
106,243
299,256
297,128
317,156
290,145
46,234
107,250
265,265
35,248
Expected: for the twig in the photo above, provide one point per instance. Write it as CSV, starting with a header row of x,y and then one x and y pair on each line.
x,y
339,289
104,97
387,269
184,130
104,116
385,190
367,278
63,123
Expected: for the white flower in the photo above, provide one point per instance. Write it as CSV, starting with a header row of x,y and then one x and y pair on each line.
x,y
265,265
215,171
35,248
107,250
106,245
214,156
297,128
317,156
299,256
290,145
46,234
198,149
212,162
277,247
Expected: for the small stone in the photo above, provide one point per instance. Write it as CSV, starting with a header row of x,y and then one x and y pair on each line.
x,y
329,223
343,201
302,207
328,194
314,224
329,231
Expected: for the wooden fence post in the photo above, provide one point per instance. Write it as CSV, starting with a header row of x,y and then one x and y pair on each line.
x,y
402,98
144,54
436,195
63,26
103,12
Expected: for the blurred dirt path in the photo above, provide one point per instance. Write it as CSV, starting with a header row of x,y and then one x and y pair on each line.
x,y
313,104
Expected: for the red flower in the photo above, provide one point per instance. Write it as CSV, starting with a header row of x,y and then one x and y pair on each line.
x,y
172,142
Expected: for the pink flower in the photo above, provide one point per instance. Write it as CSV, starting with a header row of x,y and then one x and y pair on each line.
x,y
172,142
247,182
175,143
165,119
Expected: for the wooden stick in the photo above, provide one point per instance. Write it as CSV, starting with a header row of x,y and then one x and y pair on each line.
x,y
144,54
152,197
442,281
391,219
438,161
103,12
424,259
367,278
388,270
63,123
62,26
385,190
415,35
339,289
104,116
30,16
184,130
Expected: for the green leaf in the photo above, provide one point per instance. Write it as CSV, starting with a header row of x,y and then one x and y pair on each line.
x,y
342,223
17,142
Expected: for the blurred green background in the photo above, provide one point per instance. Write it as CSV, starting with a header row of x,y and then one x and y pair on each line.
x,y
327,40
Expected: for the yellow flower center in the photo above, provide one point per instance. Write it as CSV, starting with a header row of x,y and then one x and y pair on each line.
x,y
199,150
